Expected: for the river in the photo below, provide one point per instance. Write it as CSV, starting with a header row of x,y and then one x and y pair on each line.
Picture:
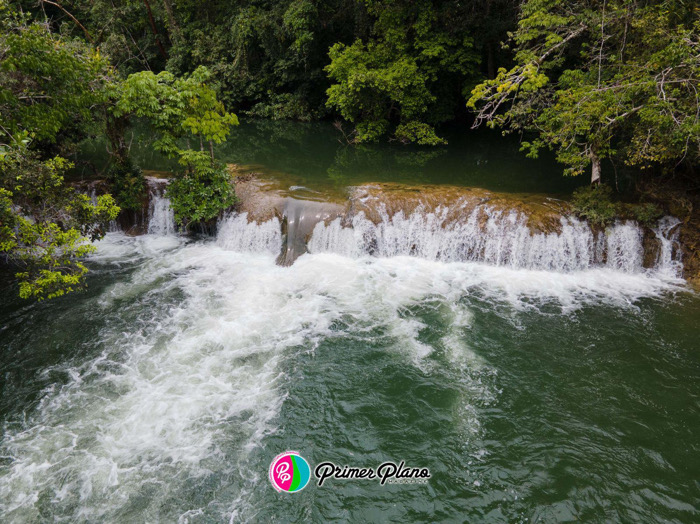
x,y
533,392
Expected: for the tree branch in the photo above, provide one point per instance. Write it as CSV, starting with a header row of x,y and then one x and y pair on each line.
x,y
81,26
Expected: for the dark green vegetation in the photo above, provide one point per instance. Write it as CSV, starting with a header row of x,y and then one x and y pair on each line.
x,y
608,85
595,204
47,89
55,91
602,80
180,110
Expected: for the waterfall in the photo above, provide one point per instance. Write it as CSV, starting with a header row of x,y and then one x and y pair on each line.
x,y
624,247
501,234
490,236
669,260
236,233
161,219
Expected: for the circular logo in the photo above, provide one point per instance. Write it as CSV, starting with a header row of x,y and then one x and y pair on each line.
x,y
289,472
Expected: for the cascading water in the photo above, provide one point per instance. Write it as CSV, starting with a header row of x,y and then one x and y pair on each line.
x,y
236,233
161,218
669,260
193,362
490,236
469,229
543,370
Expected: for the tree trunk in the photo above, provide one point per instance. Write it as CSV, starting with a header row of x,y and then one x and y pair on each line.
x,y
176,34
595,169
211,149
116,134
152,22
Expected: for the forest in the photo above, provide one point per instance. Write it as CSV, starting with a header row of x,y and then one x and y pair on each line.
x,y
349,261
606,85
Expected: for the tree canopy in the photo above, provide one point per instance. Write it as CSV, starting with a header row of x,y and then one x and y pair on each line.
x,y
54,91
604,83
48,88
601,80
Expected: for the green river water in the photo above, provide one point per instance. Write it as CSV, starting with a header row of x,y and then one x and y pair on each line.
x,y
315,155
163,392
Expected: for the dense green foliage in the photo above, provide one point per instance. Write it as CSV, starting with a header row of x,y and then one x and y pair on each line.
x,y
46,226
182,110
395,68
598,80
411,71
606,84
175,108
593,79
596,204
202,191
48,85
54,91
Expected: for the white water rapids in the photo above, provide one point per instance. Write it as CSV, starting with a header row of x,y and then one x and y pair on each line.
x,y
208,325
503,240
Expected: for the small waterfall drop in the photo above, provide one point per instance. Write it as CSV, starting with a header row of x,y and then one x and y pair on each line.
x,y
299,218
236,233
624,247
161,218
669,260
490,236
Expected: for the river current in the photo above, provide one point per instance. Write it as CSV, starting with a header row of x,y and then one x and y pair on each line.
x,y
533,393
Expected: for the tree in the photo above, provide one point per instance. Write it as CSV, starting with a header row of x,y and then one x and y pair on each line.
x,y
601,80
406,75
182,109
48,85
46,227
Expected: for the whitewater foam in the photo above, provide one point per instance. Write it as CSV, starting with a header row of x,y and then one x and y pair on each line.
x,y
189,377
490,236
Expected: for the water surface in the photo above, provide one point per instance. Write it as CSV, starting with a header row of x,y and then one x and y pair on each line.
x,y
316,156
535,389
164,392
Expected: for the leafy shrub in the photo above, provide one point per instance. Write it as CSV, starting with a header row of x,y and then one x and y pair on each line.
x,y
594,204
202,191
45,225
646,213
128,184
420,133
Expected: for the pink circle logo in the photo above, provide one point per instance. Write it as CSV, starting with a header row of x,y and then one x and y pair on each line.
x,y
289,472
